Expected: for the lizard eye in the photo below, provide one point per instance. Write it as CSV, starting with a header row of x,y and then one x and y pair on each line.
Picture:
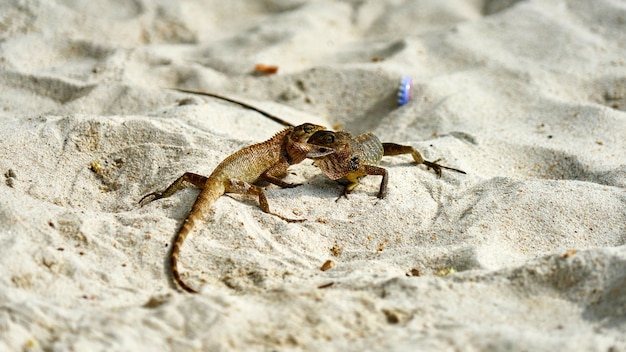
x,y
329,139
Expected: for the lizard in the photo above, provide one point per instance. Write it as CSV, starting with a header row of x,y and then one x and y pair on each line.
x,y
340,155
266,161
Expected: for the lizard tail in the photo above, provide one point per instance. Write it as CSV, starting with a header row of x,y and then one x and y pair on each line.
x,y
206,197
180,238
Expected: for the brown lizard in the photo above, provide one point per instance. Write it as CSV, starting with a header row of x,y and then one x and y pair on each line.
x,y
267,161
340,155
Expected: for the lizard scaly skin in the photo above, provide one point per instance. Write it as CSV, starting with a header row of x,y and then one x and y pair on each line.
x,y
340,155
267,161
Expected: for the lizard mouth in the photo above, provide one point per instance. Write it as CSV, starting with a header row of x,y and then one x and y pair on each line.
x,y
319,152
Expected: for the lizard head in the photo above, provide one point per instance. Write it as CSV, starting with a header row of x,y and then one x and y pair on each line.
x,y
323,143
302,133
295,145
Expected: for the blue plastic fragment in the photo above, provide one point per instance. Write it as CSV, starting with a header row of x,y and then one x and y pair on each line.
x,y
404,90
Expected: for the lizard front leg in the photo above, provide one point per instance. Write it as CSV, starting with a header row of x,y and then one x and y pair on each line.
x,y
274,174
376,170
188,177
240,187
397,149
353,179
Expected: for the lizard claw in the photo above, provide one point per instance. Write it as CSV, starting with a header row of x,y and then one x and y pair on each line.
x,y
437,168
433,165
156,195
344,194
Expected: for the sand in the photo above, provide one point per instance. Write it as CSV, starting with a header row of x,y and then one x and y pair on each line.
x,y
524,253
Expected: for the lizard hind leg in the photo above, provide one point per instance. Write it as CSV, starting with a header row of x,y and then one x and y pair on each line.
x,y
240,187
391,149
188,177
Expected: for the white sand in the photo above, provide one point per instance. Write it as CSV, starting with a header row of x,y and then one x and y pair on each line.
x,y
528,97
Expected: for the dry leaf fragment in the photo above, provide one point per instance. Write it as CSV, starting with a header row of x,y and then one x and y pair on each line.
x,y
329,264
